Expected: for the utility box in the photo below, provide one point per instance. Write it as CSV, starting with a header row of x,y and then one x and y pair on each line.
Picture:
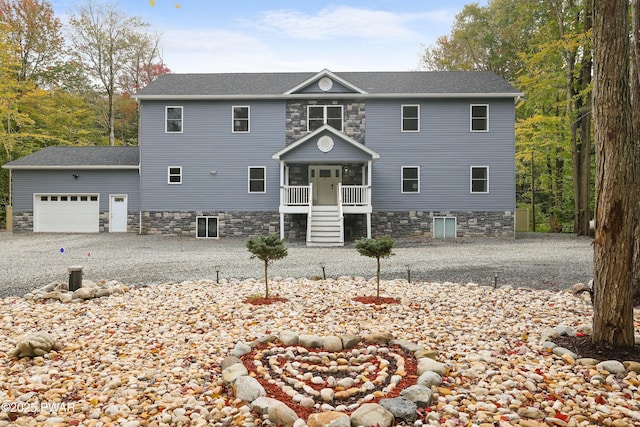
x,y
75,277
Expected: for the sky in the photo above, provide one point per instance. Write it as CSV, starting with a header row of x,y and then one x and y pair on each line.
x,y
220,36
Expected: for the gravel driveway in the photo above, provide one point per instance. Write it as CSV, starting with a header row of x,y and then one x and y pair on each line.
x,y
29,261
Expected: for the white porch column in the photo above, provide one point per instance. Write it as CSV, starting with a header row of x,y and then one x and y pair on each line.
x,y
370,190
282,184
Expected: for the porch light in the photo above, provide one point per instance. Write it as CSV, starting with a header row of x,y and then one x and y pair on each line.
x,y
217,267
324,275
408,267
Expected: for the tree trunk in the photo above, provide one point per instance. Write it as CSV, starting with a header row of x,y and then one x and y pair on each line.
x,y
581,149
378,279
112,121
635,129
615,203
266,279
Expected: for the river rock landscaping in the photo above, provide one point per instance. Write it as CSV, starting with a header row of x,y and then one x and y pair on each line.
x,y
196,353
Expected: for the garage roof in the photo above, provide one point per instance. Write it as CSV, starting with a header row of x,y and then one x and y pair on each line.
x,y
64,157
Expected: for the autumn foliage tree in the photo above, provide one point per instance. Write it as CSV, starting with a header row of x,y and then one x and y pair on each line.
x,y
107,42
36,31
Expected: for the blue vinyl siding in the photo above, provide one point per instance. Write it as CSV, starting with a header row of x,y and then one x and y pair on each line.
x,y
26,183
341,152
444,149
208,144
336,88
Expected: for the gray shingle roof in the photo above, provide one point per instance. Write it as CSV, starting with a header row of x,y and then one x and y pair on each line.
x,y
90,157
374,83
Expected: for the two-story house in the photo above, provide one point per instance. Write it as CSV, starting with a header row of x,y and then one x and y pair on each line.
x,y
319,157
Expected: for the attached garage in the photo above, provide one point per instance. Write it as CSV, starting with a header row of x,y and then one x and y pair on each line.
x,y
66,213
68,189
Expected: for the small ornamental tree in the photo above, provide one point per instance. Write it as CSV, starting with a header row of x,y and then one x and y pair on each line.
x,y
375,248
268,249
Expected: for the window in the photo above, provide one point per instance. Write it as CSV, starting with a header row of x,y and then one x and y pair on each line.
x,y
319,115
479,179
174,119
479,118
207,227
240,119
410,179
410,118
175,174
257,181
444,227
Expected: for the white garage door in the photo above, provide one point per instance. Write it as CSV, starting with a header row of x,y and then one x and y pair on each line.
x,y
66,213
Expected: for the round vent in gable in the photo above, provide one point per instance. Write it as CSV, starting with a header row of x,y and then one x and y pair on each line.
x,y
325,144
325,84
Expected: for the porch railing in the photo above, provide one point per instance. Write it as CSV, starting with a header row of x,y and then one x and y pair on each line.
x,y
356,195
351,195
296,195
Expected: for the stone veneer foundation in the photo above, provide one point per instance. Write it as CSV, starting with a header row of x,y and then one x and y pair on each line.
x,y
393,223
251,223
23,222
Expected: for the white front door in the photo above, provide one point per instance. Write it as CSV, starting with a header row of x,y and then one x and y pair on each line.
x,y
118,213
325,180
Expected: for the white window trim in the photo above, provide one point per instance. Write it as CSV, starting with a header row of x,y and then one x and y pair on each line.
x,y
264,168
248,107
402,129
471,180
471,117
325,118
217,226
402,168
166,118
169,175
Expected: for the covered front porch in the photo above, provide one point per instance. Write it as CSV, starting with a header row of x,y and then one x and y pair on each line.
x,y
325,184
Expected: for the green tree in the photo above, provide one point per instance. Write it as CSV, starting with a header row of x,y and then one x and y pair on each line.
x,y
106,42
544,48
267,249
377,248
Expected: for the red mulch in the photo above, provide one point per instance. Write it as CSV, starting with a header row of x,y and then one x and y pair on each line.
x,y
376,300
264,301
410,367
583,347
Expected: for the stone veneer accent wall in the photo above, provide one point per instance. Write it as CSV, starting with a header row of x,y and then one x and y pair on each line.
x,y
247,224
23,222
420,223
299,174
296,118
230,224
133,222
